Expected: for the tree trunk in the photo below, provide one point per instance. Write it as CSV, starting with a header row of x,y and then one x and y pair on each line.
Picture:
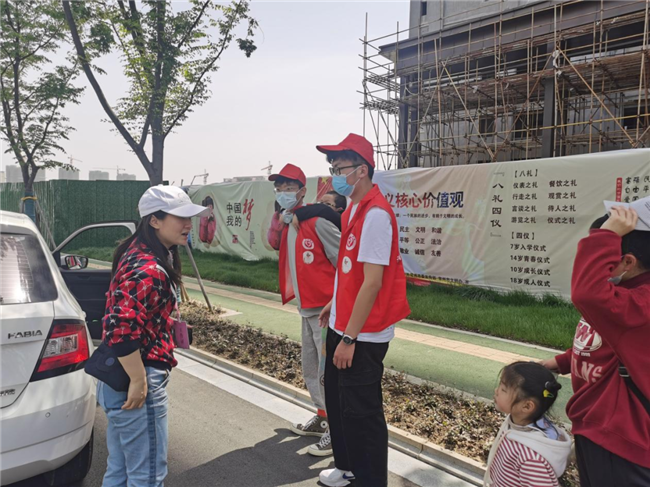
x,y
85,64
29,205
158,152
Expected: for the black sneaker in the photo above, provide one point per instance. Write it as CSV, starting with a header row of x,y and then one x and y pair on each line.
x,y
323,448
316,426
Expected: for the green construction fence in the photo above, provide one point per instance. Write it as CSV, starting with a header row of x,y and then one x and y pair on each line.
x,y
69,205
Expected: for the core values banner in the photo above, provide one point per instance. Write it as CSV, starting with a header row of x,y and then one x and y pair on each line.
x,y
512,225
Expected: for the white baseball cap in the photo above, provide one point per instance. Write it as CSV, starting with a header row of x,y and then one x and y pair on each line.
x,y
170,199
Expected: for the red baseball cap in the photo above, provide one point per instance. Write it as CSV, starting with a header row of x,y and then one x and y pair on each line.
x,y
355,143
290,172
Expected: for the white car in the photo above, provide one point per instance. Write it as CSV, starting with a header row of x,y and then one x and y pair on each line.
x,y
47,401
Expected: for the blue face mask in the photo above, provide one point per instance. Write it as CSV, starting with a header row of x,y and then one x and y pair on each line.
x,y
341,186
286,199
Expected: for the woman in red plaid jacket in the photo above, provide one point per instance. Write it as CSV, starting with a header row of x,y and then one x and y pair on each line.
x,y
140,311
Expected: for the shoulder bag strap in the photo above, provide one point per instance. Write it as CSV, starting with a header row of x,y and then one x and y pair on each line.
x,y
622,371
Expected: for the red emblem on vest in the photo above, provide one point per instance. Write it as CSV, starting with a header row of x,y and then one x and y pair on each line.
x,y
351,243
308,244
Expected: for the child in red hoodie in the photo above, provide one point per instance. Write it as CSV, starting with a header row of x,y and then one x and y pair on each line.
x,y
610,412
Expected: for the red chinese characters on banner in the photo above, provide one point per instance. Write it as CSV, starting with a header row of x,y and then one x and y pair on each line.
x,y
441,199
248,210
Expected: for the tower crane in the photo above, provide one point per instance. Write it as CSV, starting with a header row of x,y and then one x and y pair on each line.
x,y
72,159
204,176
116,168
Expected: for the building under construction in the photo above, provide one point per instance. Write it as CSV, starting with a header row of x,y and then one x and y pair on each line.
x,y
479,81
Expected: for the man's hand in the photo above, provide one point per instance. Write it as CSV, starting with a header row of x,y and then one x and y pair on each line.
x,y
551,364
621,221
343,356
324,317
137,394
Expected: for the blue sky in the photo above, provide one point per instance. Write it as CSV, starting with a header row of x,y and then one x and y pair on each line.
x,y
298,89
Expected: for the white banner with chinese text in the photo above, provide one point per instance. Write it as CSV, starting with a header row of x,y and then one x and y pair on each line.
x,y
509,225
513,225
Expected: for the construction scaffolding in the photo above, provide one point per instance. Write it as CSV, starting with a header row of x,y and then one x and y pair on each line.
x,y
547,79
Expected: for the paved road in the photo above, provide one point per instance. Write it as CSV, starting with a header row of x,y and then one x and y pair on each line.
x,y
219,439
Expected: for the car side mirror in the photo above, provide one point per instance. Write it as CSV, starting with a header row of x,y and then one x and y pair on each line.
x,y
74,262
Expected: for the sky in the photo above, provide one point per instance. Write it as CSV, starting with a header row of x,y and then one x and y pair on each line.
x,y
299,89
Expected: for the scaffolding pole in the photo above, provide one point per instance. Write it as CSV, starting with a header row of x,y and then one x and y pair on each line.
x,y
477,91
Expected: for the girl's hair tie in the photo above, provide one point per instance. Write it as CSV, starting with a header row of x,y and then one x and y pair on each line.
x,y
551,387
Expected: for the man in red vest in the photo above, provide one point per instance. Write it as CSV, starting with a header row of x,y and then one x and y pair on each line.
x,y
369,298
308,257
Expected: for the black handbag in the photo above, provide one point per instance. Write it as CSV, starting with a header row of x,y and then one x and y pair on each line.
x,y
105,366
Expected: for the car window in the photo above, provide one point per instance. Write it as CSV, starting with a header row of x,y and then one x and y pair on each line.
x,y
96,243
25,276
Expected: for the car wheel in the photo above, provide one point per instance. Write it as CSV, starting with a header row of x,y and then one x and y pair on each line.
x,y
73,471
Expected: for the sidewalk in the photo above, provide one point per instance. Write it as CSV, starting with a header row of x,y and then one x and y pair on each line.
x,y
465,361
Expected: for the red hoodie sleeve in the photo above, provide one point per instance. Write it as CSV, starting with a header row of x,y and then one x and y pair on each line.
x,y
274,235
608,308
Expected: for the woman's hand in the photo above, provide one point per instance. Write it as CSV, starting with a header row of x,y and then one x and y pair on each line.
x,y
134,368
137,394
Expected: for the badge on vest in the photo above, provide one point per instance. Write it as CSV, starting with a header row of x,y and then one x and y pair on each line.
x,y
308,244
346,265
308,257
351,243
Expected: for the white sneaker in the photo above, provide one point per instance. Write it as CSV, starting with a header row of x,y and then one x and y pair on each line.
x,y
334,477
323,448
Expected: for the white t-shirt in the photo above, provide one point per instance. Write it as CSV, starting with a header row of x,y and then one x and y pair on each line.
x,y
374,248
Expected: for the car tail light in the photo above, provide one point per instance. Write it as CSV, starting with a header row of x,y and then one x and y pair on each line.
x,y
66,350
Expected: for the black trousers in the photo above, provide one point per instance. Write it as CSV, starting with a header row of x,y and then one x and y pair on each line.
x,y
599,467
355,411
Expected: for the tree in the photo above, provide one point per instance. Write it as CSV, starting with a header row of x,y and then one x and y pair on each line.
x,y
168,58
34,92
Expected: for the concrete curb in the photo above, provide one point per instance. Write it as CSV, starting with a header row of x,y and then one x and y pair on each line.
x,y
460,466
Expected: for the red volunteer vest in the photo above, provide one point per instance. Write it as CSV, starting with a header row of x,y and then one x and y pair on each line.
x,y
391,304
314,271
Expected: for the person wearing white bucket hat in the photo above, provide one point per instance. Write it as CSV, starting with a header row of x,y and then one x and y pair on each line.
x,y
138,343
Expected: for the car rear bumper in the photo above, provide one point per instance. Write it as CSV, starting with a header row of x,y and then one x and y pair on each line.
x,y
47,426
43,457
